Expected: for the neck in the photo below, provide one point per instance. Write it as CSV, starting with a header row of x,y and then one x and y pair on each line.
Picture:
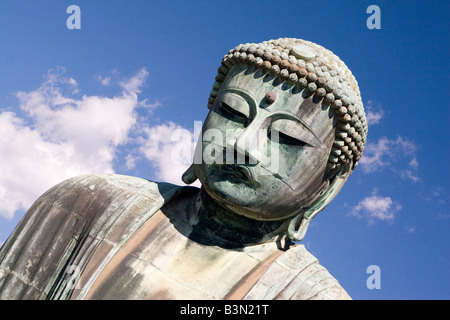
x,y
228,228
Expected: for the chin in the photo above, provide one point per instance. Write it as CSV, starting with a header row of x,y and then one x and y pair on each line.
x,y
230,192
250,202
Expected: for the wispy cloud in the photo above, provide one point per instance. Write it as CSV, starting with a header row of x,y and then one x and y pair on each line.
x,y
410,172
374,112
109,78
105,81
409,228
170,149
134,83
436,195
387,153
376,208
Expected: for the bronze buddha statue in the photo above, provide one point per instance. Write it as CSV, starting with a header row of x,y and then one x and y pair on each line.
x,y
285,130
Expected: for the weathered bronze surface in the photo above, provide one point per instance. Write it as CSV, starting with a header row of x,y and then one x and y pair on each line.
x,y
286,128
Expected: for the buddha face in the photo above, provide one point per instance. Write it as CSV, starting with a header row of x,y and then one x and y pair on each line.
x,y
265,146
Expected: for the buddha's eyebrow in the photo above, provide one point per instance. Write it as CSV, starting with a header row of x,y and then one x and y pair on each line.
x,y
245,94
291,116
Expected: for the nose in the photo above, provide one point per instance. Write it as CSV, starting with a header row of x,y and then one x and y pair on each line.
x,y
250,144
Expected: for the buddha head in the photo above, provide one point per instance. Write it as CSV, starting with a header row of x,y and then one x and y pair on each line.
x,y
285,130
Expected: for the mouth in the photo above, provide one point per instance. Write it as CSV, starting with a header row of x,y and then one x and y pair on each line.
x,y
241,172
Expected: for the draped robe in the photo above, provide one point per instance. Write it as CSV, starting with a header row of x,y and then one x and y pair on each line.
x,y
122,237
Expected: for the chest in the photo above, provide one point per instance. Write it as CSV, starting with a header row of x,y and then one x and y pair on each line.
x,y
161,262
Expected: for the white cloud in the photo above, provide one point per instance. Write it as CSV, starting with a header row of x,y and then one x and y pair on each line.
x,y
109,78
130,162
376,208
135,83
374,113
436,195
105,81
170,148
385,152
61,136
375,154
410,229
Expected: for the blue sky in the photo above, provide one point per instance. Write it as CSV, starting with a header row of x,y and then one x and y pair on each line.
x,y
105,98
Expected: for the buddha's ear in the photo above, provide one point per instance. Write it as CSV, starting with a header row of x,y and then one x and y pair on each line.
x,y
189,176
299,224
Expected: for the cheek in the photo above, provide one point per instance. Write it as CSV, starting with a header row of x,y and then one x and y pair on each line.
x,y
280,202
288,157
296,162
308,163
309,170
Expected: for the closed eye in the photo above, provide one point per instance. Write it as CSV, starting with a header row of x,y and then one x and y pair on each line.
x,y
294,132
232,114
285,139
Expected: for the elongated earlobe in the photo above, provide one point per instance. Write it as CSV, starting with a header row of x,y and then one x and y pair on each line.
x,y
189,176
297,227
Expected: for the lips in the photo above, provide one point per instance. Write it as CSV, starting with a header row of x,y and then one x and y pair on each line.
x,y
241,172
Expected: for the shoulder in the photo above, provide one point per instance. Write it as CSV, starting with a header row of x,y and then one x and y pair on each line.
x,y
96,184
67,221
83,194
